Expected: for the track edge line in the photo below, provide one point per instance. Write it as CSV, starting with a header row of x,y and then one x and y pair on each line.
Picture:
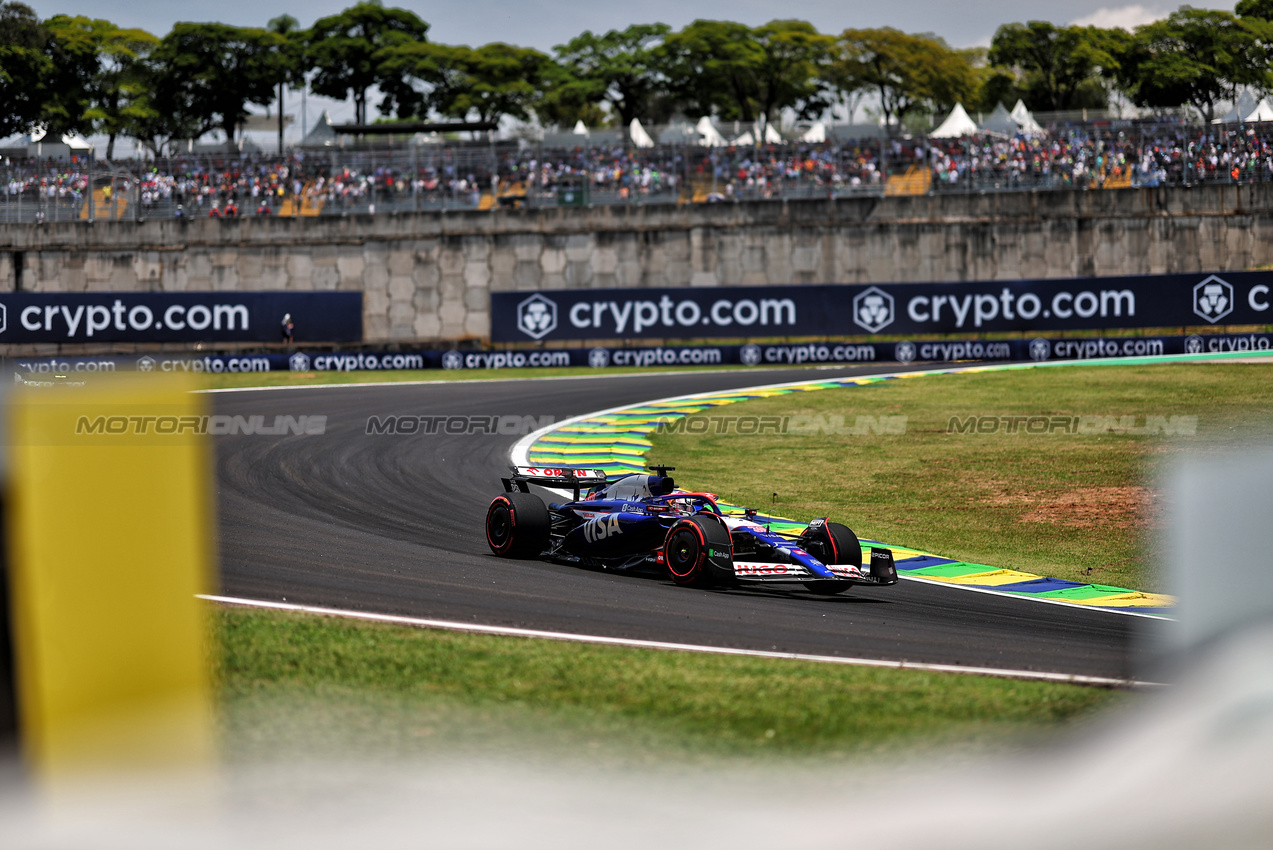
x,y
635,643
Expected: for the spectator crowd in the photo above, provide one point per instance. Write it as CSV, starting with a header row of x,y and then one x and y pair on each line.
x,y
1085,160
329,181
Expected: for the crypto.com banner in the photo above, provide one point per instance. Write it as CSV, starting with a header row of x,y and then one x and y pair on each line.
x,y
1094,303
648,357
71,317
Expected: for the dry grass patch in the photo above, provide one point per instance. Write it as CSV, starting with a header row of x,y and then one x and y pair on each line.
x,y
1120,507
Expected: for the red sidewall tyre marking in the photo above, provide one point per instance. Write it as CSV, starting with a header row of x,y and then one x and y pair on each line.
x,y
512,523
835,553
702,550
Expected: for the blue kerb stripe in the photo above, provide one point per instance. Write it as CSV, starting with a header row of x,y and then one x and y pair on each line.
x,y
1039,585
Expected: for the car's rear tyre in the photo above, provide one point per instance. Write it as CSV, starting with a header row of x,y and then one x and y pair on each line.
x,y
517,525
832,543
688,549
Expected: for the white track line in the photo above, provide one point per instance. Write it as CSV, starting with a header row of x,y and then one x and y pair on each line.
x,y
1028,598
507,631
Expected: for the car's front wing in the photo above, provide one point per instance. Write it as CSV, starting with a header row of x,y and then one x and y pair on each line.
x,y
881,571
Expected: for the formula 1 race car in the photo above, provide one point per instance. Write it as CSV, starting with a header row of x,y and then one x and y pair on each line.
x,y
644,521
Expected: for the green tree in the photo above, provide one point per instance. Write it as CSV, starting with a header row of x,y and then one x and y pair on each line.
x,y
995,85
458,81
73,46
1254,10
429,79
1198,57
496,80
1059,67
792,70
742,74
290,60
119,89
619,69
906,72
712,67
207,74
348,53
25,68
565,99
162,110
425,77
1257,17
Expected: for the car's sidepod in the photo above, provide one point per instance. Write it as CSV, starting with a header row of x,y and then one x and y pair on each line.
x,y
616,534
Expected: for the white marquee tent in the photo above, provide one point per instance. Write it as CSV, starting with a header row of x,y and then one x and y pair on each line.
x,y
1262,112
73,141
639,137
1247,111
1000,122
772,137
957,124
815,134
1245,106
37,143
321,135
711,136
1024,119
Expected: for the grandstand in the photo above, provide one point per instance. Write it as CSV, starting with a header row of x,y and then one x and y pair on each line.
x,y
453,175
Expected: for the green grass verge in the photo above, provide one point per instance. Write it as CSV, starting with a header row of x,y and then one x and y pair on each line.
x,y
304,684
1080,507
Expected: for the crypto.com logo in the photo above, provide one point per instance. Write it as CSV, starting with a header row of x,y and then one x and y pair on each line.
x,y
873,309
1040,349
298,362
4,318
1213,299
537,316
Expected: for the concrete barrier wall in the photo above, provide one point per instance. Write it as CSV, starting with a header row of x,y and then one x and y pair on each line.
x,y
428,276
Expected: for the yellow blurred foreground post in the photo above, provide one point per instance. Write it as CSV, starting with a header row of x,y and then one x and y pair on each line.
x,y
110,540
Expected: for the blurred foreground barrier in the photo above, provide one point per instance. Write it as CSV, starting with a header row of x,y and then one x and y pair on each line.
x,y
1219,547
109,540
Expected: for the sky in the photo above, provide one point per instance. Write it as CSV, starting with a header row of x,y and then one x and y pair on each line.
x,y
543,24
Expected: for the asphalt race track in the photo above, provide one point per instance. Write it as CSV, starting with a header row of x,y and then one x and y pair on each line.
x,y
392,524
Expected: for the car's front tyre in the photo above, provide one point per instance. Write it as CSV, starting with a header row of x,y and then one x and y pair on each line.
x,y
517,525
691,547
831,543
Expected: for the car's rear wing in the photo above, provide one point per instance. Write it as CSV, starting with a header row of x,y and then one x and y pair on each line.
x,y
557,476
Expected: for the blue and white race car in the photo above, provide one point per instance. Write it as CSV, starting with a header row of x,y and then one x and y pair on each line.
x,y
645,521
